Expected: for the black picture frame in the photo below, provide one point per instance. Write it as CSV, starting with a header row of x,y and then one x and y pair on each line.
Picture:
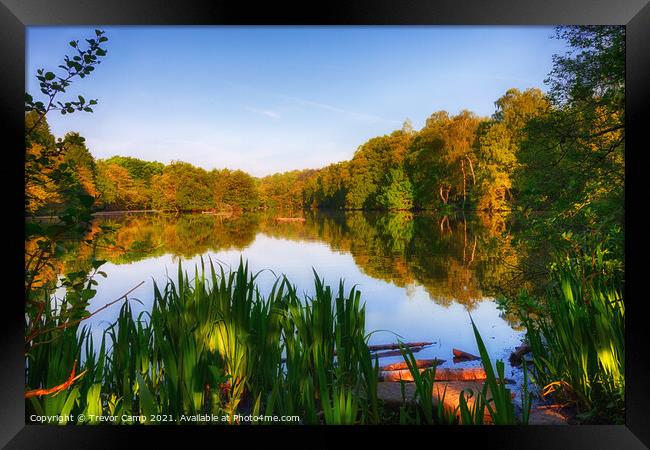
x,y
16,15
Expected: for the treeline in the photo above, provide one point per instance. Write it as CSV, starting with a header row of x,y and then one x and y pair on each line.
x,y
126,183
462,160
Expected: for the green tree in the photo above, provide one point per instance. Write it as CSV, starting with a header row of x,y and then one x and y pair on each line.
x,y
138,169
396,192
572,160
441,161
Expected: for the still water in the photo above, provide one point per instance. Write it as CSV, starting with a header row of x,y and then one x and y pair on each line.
x,y
420,275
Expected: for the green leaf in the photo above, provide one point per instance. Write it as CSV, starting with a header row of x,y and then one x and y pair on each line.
x,y
147,403
49,76
69,404
98,263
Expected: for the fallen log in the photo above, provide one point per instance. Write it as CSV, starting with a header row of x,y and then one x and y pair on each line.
x,y
421,363
373,348
394,352
460,355
446,374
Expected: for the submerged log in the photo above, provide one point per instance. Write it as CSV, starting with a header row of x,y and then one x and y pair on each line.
x,y
460,355
394,352
373,348
390,353
421,363
451,374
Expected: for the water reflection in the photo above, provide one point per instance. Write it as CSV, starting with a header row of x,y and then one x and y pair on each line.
x,y
455,259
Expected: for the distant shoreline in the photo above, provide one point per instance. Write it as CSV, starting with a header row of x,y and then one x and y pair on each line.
x,y
110,213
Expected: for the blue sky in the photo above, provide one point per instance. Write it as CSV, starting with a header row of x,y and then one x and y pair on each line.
x,y
270,99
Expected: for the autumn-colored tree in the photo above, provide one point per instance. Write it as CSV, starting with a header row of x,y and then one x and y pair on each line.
x,y
82,162
182,187
42,163
138,168
119,191
241,191
498,143
284,191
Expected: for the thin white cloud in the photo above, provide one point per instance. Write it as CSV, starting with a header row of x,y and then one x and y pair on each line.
x,y
265,112
364,117
356,115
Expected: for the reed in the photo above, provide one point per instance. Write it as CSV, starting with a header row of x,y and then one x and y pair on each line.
x,y
578,344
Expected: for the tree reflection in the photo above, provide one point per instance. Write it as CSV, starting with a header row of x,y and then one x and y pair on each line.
x,y
454,258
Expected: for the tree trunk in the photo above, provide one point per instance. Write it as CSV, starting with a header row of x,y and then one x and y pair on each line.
x,y
471,168
464,236
473,251
462,168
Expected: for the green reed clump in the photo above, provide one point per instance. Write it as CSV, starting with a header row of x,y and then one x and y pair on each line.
x,y
578,342
328,364
214,344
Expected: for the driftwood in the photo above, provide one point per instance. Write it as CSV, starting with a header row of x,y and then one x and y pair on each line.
x,y
421,363
394,352
452,374
373,348
460,355
414,346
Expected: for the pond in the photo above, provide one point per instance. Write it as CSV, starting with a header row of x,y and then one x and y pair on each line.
x,y
421,275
